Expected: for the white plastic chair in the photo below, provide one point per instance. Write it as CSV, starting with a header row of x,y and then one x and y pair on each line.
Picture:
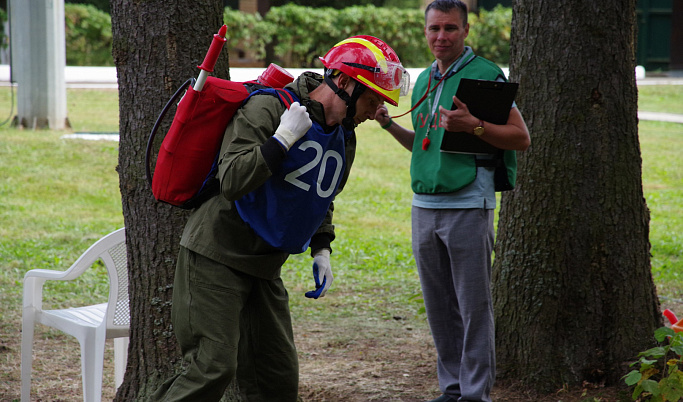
x,y
91,325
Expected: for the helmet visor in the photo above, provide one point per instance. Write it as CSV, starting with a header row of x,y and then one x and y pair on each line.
x,y
393,77
388,75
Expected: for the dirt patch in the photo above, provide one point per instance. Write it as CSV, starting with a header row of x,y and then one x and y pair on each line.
x,y
344,360
394,361
56,375
380,361
376,361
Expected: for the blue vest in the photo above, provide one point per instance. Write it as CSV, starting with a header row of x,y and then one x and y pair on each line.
x,y
290,206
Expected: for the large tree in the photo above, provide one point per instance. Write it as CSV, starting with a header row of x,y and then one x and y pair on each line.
x,y
574,296
157,46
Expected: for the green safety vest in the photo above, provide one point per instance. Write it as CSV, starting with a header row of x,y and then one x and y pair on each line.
x,y
433,171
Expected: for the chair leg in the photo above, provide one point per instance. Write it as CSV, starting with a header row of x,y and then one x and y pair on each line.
x,y
92,362
27,330
120,359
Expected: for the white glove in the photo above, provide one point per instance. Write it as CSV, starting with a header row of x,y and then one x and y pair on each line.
x,y
322,273
294,123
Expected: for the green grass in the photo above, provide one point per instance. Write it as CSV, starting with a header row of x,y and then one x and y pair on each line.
x,y
372,258
57,196
661,147
661,98
84,104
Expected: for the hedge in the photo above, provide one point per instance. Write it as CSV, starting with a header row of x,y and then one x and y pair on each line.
x,y
88,36
298,35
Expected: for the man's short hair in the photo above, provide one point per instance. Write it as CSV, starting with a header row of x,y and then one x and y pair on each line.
x,y
445,6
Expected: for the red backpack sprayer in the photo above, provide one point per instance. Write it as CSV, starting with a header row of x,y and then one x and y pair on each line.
x,y
184,174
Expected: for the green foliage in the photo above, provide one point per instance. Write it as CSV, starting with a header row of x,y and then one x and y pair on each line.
x,y
326,3
341,4
402,3
4,42
99,4
88,36
402,29
248,31
490,34
658,377
288,29
297,45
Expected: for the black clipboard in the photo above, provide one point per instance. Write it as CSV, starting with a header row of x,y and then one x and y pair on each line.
x,y
487,100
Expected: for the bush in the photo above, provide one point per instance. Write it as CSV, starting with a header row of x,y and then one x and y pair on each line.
x,y
247,31
402,29
288,29
299,35
4,42
88,36
490,34
295,43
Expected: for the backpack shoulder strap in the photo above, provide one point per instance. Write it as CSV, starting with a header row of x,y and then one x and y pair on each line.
x,y
285,96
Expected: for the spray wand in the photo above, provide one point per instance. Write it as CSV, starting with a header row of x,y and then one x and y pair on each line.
x,y
211,57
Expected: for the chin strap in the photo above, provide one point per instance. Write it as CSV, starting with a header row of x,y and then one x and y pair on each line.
x,y
358,90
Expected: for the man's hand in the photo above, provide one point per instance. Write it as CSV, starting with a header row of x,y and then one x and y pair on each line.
x,y
294,123
382,115
322,273
459,119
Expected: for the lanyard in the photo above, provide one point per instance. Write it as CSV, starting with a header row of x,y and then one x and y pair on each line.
x,y
433,104
429,86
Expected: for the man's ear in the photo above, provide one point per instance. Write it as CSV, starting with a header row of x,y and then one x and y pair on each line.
x,y
343,81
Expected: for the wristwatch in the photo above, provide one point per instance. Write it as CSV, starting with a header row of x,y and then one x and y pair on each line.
x,y
479,130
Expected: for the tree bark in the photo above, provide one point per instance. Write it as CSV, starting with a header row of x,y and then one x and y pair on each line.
x,y
157,46
573,291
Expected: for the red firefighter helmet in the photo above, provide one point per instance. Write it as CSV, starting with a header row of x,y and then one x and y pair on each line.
x,y
371,62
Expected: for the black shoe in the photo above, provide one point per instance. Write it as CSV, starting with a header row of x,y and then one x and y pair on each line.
x,y
443,398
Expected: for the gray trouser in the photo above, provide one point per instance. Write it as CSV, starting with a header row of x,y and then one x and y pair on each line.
x,y
452,248
230,325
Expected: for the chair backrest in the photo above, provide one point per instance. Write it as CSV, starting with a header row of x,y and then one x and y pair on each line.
x,y
115,258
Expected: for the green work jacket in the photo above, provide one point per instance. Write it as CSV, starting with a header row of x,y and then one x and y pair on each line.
x,y
215,229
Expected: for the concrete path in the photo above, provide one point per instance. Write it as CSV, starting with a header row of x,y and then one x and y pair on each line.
x,y
668,117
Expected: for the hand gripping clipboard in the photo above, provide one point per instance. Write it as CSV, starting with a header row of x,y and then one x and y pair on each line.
x,y
487,100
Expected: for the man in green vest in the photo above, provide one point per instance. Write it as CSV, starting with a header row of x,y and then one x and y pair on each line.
x,y
454,202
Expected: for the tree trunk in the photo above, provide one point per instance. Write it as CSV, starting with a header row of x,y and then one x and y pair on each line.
x,y
573,292
157,46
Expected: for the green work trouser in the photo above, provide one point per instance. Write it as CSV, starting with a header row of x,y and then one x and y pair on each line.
x,y
230,324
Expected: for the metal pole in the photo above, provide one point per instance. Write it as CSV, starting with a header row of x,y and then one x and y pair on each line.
x,y
38,49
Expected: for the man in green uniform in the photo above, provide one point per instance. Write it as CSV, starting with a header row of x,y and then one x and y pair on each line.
x,y
279,171
453,205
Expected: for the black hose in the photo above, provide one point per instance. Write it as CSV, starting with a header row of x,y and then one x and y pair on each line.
x,y
150,142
